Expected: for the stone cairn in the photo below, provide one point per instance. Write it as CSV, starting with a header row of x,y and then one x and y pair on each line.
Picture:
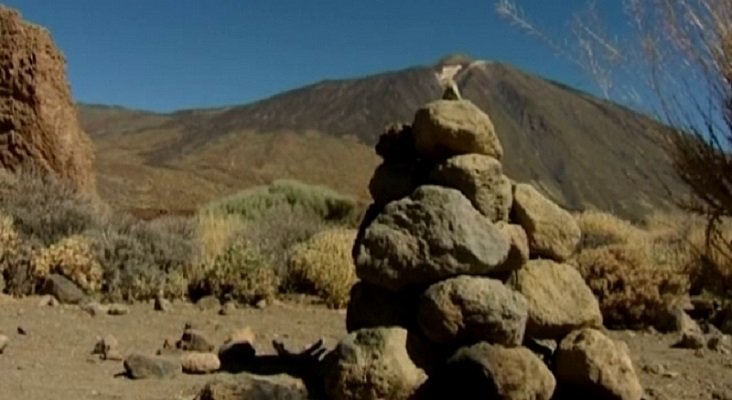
x,y
463,289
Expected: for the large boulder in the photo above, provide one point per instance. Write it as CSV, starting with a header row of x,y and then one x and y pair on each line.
x,y
371,307
591,365
372,364
433,234
559,299
446,128
518,255
552,232
480,178
396,144
38,121
486,371
393,181
469,309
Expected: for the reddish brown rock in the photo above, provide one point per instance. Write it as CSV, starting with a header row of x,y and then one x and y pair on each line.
x,y
38,121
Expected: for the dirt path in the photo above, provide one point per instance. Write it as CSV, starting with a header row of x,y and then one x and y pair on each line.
x,y
53,359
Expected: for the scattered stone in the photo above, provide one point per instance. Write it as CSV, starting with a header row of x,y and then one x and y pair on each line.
x,y
488,371
228,308
559,299
105,345
518,254
3,343
246,386
552,232
162,304
47,301
479,178
237,349
720,343
94,309
63,289
445,128
118,309
208,303
370,306
433,234
261,304
469,309
372,364
138,366
113,355
194,340
692,336
590,364
200,363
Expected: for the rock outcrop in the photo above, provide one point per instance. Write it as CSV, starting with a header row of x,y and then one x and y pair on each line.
x,y
38,121
464,260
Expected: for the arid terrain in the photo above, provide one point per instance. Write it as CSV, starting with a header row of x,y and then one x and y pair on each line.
x,y
54,356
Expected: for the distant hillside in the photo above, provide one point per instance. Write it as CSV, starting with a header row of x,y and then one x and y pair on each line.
x,y
582,151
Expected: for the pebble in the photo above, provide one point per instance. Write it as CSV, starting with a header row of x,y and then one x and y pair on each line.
x,y
118,309
3,343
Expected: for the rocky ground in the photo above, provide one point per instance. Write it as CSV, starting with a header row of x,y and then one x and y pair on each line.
x,y
52,357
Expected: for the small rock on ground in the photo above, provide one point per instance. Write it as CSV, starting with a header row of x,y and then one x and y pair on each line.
x,y
199,363
3,343
138,366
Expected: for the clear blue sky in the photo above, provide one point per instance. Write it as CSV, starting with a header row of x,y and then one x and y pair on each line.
x,y
164,55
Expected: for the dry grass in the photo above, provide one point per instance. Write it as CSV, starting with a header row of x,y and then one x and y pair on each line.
x,y
215,232
601,229
323,265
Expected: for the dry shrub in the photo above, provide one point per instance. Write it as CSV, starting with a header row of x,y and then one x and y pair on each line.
x,y
73,258
323,266
142,259
44,209
240,273
601,229
632,287
16,260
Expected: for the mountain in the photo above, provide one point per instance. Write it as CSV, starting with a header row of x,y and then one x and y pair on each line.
x,y
580,150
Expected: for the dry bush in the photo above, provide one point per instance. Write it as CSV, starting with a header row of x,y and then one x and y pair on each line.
x,y
633,289
44,209
142,259
601,229
240,273
16,260
73,258
323,266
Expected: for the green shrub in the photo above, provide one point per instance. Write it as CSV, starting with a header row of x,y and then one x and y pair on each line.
x,y
44,209
302,199
323,266
240,273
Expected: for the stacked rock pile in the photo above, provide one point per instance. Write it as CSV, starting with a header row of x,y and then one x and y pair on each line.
x,y
463,290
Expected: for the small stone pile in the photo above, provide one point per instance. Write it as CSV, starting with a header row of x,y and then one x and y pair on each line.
x,y
463,288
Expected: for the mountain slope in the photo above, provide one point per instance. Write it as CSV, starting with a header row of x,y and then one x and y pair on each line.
x,y
583,152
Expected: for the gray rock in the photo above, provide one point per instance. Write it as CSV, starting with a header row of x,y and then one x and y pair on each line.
x,y
433,234
445,128
518,254
228,308
591,365
480,178
552,232
64,290
720,343
485,371
393,181
372,364
118,309
138,366
559,299
95,309
199,363
470,309
246,386
162,304
106,347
